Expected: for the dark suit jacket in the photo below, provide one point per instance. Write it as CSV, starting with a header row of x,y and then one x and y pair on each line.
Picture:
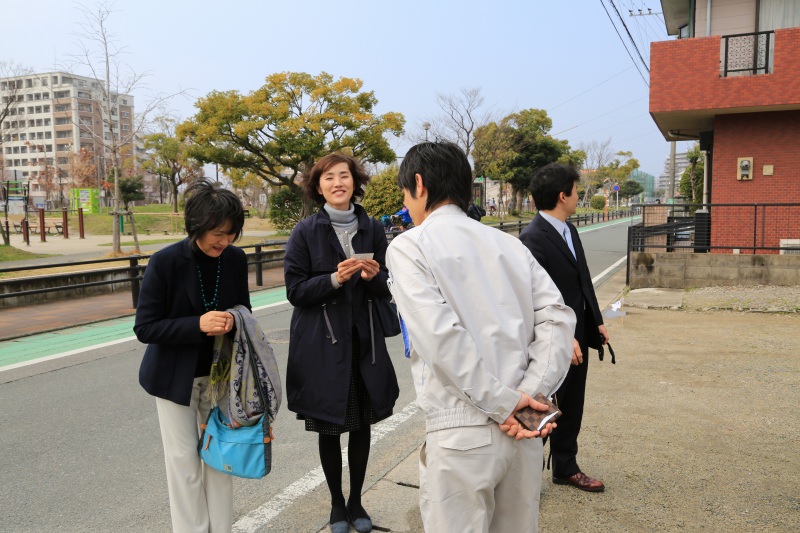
x,y
168,316
570,275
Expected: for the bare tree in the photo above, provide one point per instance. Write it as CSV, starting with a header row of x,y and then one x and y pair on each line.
x,y
462,113
598,156
116,82
11,94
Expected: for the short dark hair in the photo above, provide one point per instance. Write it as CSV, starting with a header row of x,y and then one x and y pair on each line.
x,y
208,207
445,173
551,180
360,176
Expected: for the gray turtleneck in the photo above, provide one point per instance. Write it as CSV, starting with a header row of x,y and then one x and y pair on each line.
x,y
345,224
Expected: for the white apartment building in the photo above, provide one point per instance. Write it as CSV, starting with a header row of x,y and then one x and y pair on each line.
x,y
50,116
681,164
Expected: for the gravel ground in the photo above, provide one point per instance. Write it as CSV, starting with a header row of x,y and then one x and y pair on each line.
x,y
759,298
696,427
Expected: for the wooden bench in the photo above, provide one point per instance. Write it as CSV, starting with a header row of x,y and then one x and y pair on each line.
x,y
246,213
54,223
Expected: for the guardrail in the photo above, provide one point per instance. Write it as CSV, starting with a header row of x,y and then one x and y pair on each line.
x,y
263,255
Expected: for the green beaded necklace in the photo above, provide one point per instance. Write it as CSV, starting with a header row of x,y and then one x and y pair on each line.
x,y
214,302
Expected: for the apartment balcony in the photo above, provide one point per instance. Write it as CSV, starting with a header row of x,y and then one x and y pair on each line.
x,y
694,80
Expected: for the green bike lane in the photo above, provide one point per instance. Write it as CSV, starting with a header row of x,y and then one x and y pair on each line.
x,y
23,351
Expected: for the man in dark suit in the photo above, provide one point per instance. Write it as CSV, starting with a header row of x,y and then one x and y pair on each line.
x,y
555,244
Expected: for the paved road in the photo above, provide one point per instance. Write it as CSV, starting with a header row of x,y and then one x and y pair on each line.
x,y
82,450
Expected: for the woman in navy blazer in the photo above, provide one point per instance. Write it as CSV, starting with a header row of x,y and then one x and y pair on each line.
x,y
340,378
186,288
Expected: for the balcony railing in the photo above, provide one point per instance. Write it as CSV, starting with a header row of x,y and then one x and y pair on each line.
x,y
747,52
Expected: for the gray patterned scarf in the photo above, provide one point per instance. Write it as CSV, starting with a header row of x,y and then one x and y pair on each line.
x,y
232,378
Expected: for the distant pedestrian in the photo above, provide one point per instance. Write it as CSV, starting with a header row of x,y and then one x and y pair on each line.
x,y
185,289
492,207
485,336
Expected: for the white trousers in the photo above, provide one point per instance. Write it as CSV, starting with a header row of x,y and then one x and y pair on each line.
x,y
200,498
478,479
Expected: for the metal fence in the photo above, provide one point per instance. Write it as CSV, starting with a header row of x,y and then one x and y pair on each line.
x,y
746,52
721,228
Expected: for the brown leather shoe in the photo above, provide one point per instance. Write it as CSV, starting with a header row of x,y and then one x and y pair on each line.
x,y
581,481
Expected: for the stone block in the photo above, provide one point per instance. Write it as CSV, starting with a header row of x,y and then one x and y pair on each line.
x,y
753,276
730,274
698,272
782,276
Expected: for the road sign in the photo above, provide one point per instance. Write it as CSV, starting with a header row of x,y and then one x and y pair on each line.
x,y
615,188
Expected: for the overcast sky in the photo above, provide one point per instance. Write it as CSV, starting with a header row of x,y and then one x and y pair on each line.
x,y
562,56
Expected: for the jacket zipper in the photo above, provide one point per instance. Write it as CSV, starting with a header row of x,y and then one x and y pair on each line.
x,y
371,330
328,323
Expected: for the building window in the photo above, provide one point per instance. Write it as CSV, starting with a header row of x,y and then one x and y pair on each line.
x,y
125,114
62,120
63,134
683,32
45,96
63,160
61,107
48,135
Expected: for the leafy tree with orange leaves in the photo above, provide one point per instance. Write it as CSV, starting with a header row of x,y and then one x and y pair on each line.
x,y
278,131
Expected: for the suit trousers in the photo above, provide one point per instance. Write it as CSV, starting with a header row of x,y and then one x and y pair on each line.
x,y
478,479
200,498
570,398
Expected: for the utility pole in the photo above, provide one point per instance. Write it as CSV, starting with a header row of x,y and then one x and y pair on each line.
x,y
671,191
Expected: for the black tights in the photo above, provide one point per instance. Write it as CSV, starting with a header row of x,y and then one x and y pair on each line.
x,y
330,455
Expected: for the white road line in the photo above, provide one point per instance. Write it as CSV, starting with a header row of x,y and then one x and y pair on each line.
x,y
609,269
98,346
262,516
65,354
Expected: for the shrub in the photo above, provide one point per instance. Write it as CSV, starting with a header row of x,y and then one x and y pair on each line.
x,y
285,209
598,203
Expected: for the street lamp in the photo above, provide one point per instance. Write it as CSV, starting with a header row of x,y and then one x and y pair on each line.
x,y
426,126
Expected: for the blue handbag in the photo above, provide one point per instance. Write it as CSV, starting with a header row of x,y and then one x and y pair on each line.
x,y
245,451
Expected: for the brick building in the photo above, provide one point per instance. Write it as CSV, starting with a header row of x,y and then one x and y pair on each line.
x,y
732,81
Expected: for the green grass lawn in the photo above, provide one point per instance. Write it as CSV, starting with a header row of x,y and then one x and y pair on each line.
x,y
9,253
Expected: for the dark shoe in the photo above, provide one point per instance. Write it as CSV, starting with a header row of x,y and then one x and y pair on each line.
x,y
359,519
581,481
362,525
340,527
339,520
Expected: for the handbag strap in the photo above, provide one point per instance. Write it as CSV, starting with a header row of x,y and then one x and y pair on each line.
x,y
254,368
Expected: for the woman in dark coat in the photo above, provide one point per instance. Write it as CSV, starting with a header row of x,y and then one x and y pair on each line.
x,y
186,288
340,378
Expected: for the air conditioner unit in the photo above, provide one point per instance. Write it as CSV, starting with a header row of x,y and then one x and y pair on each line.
x,y
793,246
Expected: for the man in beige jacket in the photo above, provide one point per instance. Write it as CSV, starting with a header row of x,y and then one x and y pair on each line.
x,y
487,331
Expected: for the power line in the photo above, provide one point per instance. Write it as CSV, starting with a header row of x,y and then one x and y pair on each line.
x,y
589,89
599,116
623,44
633,42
